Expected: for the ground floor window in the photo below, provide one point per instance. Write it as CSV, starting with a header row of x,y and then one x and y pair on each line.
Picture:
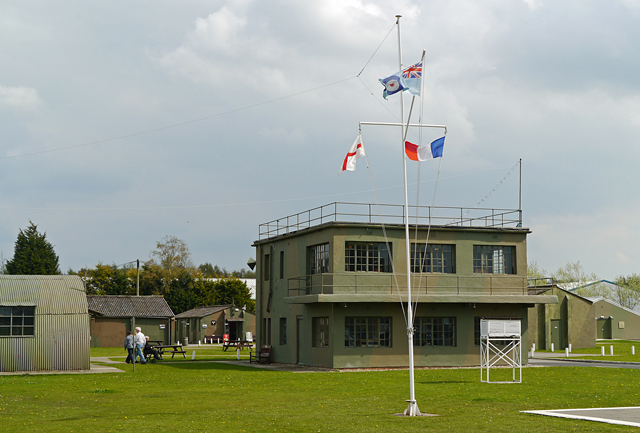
x,y
367,332
266,331
320,331
283,331
434,331
17,321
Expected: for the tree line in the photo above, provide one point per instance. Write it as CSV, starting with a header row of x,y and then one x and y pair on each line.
x,y
168,272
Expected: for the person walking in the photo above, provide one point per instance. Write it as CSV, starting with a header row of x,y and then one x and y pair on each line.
x,y
140,342
128,346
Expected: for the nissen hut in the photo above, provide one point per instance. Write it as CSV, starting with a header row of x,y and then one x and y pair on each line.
x,y
44,323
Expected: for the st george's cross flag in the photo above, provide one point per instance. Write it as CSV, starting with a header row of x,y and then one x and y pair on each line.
x,y
356,151
407,79
424,153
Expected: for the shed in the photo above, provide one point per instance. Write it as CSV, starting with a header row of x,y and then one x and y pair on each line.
x,y
44,323
112,316
214,321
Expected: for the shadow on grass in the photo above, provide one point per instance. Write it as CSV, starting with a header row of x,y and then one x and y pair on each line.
x,y
210,365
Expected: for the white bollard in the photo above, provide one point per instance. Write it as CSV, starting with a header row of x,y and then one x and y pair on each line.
x,y
611,349
602,351
633,350
552,347
218,340
533,347
533,352
569,347
193,355
198,343
238,353
566,352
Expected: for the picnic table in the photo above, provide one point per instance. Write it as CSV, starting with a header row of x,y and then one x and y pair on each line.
x,y
239,344
171,348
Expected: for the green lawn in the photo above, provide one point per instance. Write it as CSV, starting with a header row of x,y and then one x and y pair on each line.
x,y
215,397
621,351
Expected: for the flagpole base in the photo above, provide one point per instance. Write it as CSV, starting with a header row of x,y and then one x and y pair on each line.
x,y
412,410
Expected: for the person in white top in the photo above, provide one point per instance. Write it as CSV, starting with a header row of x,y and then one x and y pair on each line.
x,y
140,342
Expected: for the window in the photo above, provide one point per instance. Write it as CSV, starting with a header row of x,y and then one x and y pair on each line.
x,y
266,331
435,331
488,259
367,257
281,265
367,332
265,268
17,321
320,327
433,258
318,259
283,331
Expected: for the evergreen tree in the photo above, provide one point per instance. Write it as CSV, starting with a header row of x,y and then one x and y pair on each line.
x,y
33,254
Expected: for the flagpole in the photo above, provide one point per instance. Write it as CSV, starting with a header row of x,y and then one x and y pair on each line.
x,y
412,409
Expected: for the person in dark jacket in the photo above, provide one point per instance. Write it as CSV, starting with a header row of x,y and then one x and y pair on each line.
x,y
128,346
151,350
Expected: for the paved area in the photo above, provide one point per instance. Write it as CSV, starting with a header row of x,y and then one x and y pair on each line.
x,y
93,369
629,416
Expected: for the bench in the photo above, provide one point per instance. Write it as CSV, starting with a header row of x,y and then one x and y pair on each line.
x,y
262,357
172,349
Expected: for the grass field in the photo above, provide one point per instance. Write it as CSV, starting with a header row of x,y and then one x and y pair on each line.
x,y
189,396
621,351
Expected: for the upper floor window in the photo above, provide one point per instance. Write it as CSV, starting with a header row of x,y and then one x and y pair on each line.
x,y
318,256
367,256
490,259
433,258
266,267
17,321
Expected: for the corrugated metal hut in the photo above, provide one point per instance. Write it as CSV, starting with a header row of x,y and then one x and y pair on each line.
x,y
111,318
44,323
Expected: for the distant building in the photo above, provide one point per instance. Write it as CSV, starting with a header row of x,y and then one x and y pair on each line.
x,y
213,322
112,316
44,323
331,287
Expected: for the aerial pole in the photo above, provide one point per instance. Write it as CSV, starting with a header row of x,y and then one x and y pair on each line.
x,y
412,409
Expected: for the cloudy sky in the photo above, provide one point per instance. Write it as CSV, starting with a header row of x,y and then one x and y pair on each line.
x,y
125,121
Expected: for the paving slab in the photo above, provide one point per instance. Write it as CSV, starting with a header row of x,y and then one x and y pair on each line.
x,y
628,416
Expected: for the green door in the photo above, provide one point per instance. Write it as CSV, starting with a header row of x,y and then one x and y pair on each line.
x,y
604,329
556,333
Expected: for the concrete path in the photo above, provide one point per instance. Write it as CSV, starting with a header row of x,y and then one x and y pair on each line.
x,y
629,416
93,369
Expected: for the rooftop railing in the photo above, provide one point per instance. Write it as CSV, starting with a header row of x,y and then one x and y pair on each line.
x,y
391,214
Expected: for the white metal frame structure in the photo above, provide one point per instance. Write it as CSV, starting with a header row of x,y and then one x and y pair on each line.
x,y
492,331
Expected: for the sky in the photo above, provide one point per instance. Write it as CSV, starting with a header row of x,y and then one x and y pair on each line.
x,y
125,122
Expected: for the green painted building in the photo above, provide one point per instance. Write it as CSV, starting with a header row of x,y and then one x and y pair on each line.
x,y
211,323
332,286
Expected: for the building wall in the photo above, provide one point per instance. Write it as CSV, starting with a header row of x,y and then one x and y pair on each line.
x,y
111,331
576,316
278,279
61,332
625,324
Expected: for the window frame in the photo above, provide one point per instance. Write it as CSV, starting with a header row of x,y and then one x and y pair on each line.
x,y
367,256
320,331
486,256
367,332
318,258
435,332
16,319
427,256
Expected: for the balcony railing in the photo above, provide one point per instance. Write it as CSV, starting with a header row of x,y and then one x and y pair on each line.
x,y
352,283
391,214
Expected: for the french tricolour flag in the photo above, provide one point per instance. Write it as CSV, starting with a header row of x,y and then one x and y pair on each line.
x,y
356,151
423,153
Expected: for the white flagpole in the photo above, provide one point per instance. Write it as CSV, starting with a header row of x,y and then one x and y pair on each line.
x,y
412,409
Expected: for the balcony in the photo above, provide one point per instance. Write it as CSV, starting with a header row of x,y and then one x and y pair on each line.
x,y
391,214
366,284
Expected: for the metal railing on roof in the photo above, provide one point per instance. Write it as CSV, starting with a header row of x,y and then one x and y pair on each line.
x,y
391,214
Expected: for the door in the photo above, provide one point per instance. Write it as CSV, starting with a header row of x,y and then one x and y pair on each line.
x,y
604,329
556,333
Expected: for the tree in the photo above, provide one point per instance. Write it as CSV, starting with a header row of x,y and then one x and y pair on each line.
x,y
573,273
108,280
171,254
627,291
233,291
33,254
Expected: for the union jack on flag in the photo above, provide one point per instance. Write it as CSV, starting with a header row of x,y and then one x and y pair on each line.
x,y
414,71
